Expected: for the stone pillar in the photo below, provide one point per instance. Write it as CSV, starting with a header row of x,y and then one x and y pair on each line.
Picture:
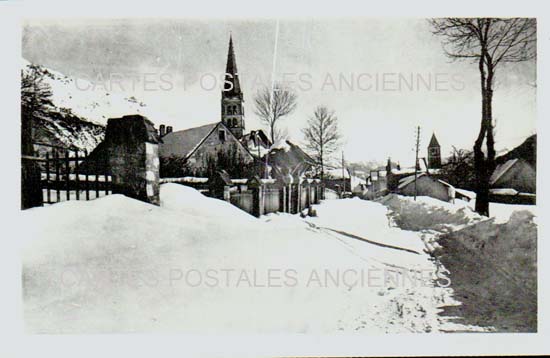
x,y
132,152
307,189
296,202
256,186
219,186
315,191
283,184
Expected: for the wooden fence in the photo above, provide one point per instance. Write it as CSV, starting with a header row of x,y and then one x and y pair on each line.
x,y
258,196
61,177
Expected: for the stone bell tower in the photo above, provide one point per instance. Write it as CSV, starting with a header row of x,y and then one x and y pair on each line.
x,y
434,153
232,107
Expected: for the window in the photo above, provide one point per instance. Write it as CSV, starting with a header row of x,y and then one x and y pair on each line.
x,y
221,135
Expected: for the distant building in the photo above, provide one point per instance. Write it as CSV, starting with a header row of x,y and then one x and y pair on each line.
x,y
515,174
434,153
514,180
426,185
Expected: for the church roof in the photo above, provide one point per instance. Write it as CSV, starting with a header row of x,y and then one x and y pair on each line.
x,y
182,143
232,86
433,142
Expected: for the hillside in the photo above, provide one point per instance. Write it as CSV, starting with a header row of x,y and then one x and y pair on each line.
x,y
526,151
78,113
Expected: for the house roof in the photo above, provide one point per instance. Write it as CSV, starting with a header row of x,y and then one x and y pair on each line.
x,y
290,157
255,136
410,179
433,142
501,169
182,143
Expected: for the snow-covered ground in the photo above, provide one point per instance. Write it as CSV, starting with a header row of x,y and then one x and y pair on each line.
x,y
197,264
492,262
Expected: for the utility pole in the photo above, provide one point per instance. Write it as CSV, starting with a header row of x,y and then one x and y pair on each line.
x,y
416,161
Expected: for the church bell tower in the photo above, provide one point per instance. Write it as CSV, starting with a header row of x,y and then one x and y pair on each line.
x,y
434,153
232,108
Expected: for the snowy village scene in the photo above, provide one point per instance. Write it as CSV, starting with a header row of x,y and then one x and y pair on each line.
x,y
302,176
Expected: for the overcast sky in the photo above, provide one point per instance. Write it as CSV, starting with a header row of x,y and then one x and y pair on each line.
x,y
382,77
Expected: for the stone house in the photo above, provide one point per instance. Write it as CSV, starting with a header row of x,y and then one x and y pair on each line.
x,y
426,185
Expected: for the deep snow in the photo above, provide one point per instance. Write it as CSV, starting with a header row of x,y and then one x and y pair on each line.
x,y
197,264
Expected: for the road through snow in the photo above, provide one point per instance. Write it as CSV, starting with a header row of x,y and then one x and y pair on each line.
x,y
200,265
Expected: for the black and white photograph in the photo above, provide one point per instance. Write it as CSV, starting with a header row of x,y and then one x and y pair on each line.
x,y
319,176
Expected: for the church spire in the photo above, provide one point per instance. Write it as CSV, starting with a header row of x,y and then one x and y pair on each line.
x,y
232,87
232,107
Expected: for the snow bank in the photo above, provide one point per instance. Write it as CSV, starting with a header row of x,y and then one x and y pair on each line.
x,y
495,266
427,213
200,265
492,261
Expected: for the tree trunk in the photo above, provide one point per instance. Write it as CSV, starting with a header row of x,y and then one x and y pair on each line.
x,y
484,166
31,191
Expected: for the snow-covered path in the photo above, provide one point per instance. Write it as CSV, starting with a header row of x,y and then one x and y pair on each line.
x,y
200,265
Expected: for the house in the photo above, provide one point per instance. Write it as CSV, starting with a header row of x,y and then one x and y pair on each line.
x,y
377,184
426,185
286,158
515,177
338,180
515,174
256,142
514,182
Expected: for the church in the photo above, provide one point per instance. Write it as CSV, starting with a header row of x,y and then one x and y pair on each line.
x,y
220,145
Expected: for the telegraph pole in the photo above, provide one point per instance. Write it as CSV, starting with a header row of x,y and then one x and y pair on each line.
x,y
416,161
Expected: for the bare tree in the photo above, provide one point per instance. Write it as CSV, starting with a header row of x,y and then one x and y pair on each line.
x,y
35,102
271,105
488,42
322,136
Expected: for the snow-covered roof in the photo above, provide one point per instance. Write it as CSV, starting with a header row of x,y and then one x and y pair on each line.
x,y
506,191
407,180
501,169
466,193
410,179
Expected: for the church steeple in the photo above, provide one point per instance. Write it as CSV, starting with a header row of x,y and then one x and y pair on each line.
x,y
434,153
232,97
232,85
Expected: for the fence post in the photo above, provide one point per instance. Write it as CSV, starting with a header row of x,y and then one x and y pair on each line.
x,y
307,189
256,186
57,173
48,194
87,185
67,174
76,171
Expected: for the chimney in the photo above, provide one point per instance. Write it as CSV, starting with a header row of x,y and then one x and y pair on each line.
x,y
168,129
162,131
